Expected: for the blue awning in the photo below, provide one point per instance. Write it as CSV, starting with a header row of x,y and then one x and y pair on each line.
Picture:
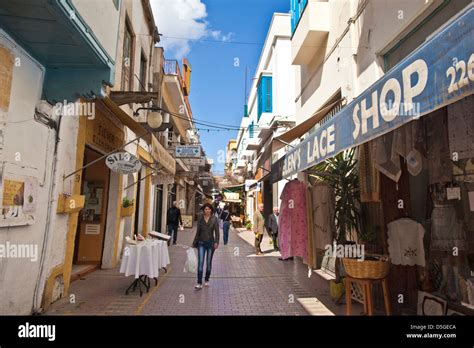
x,y
438,73
56,35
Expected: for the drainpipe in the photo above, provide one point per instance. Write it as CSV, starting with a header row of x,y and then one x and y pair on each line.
x,y
36,296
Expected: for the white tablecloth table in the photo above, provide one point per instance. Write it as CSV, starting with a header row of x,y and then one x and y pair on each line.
x,y
144,259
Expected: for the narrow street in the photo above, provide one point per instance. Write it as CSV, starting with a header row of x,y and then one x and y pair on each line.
x,y
340,131
241,284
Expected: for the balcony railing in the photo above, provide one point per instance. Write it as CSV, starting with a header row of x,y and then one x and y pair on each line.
x,y
171,67
297,9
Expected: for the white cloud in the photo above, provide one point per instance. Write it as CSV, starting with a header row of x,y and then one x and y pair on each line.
x,y
181,22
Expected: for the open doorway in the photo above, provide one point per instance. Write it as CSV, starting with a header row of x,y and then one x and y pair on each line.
x,y
89,243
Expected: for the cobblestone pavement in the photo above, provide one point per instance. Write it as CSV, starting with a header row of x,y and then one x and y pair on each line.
x,y
241,284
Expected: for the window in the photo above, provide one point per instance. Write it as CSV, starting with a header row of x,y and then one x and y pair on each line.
x,y
143,63
297,8
127,61
171,138
264,91
251,130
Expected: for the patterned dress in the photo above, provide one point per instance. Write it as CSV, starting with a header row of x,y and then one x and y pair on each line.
x,y
293,225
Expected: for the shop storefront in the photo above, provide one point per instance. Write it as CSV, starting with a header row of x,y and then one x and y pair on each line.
x,y
163,181
98,222
411,135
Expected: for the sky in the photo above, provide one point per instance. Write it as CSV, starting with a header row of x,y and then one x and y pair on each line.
x,y
220,38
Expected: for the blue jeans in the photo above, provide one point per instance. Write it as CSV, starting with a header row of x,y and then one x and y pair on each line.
x,y
173,231
203,249
226,231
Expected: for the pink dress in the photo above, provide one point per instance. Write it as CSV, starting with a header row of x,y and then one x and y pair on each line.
x,y
293,225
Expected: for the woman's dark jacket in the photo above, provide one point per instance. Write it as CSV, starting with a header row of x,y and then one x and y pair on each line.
x,y
207,231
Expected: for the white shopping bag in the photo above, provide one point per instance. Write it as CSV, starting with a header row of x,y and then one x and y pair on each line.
x,y
191,264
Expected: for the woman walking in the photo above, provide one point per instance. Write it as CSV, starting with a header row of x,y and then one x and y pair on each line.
x,y
206,241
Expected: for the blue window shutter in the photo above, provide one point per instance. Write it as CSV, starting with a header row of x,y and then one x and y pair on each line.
x,y
293,7
251,130
259,100
268,94
303,4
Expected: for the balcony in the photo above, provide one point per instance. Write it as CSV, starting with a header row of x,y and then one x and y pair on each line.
x,y
311,32
241,164
75,59
174,96
252,144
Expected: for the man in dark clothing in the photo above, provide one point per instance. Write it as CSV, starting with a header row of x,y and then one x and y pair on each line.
x,y
225,217
273,228
173,220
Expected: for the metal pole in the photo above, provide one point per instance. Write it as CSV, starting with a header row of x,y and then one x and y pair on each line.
x,y
284,142
98,159
146,176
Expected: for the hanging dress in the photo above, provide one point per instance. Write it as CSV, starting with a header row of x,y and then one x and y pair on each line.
x,y
293,226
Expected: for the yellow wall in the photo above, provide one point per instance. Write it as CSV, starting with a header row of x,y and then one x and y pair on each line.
x,y
145,156
84,132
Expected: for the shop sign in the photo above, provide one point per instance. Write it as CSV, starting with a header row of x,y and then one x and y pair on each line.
x,y
438,73
194,161
188,151
249,183
123,162
162,179
102,134
231,196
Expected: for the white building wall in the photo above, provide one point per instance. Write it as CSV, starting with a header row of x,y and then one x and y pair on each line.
x,y
356,62
283,77
275,60
28,151
106,30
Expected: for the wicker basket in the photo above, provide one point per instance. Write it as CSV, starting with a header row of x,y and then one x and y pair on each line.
x,y
367,269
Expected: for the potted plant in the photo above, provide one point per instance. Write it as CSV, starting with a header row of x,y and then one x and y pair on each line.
x,y
249,226
368,237
127,207
340,172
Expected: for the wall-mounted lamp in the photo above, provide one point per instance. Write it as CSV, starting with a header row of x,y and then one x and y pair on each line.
x,y
156,117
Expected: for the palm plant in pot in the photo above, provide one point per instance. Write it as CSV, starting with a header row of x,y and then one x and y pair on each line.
x,y
341,173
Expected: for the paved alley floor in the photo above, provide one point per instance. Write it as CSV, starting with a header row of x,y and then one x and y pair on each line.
x,y
241,284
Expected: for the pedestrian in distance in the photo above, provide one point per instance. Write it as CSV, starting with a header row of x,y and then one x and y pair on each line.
x,y
218,210
173,220
258,228
273,228
226,218
206,241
